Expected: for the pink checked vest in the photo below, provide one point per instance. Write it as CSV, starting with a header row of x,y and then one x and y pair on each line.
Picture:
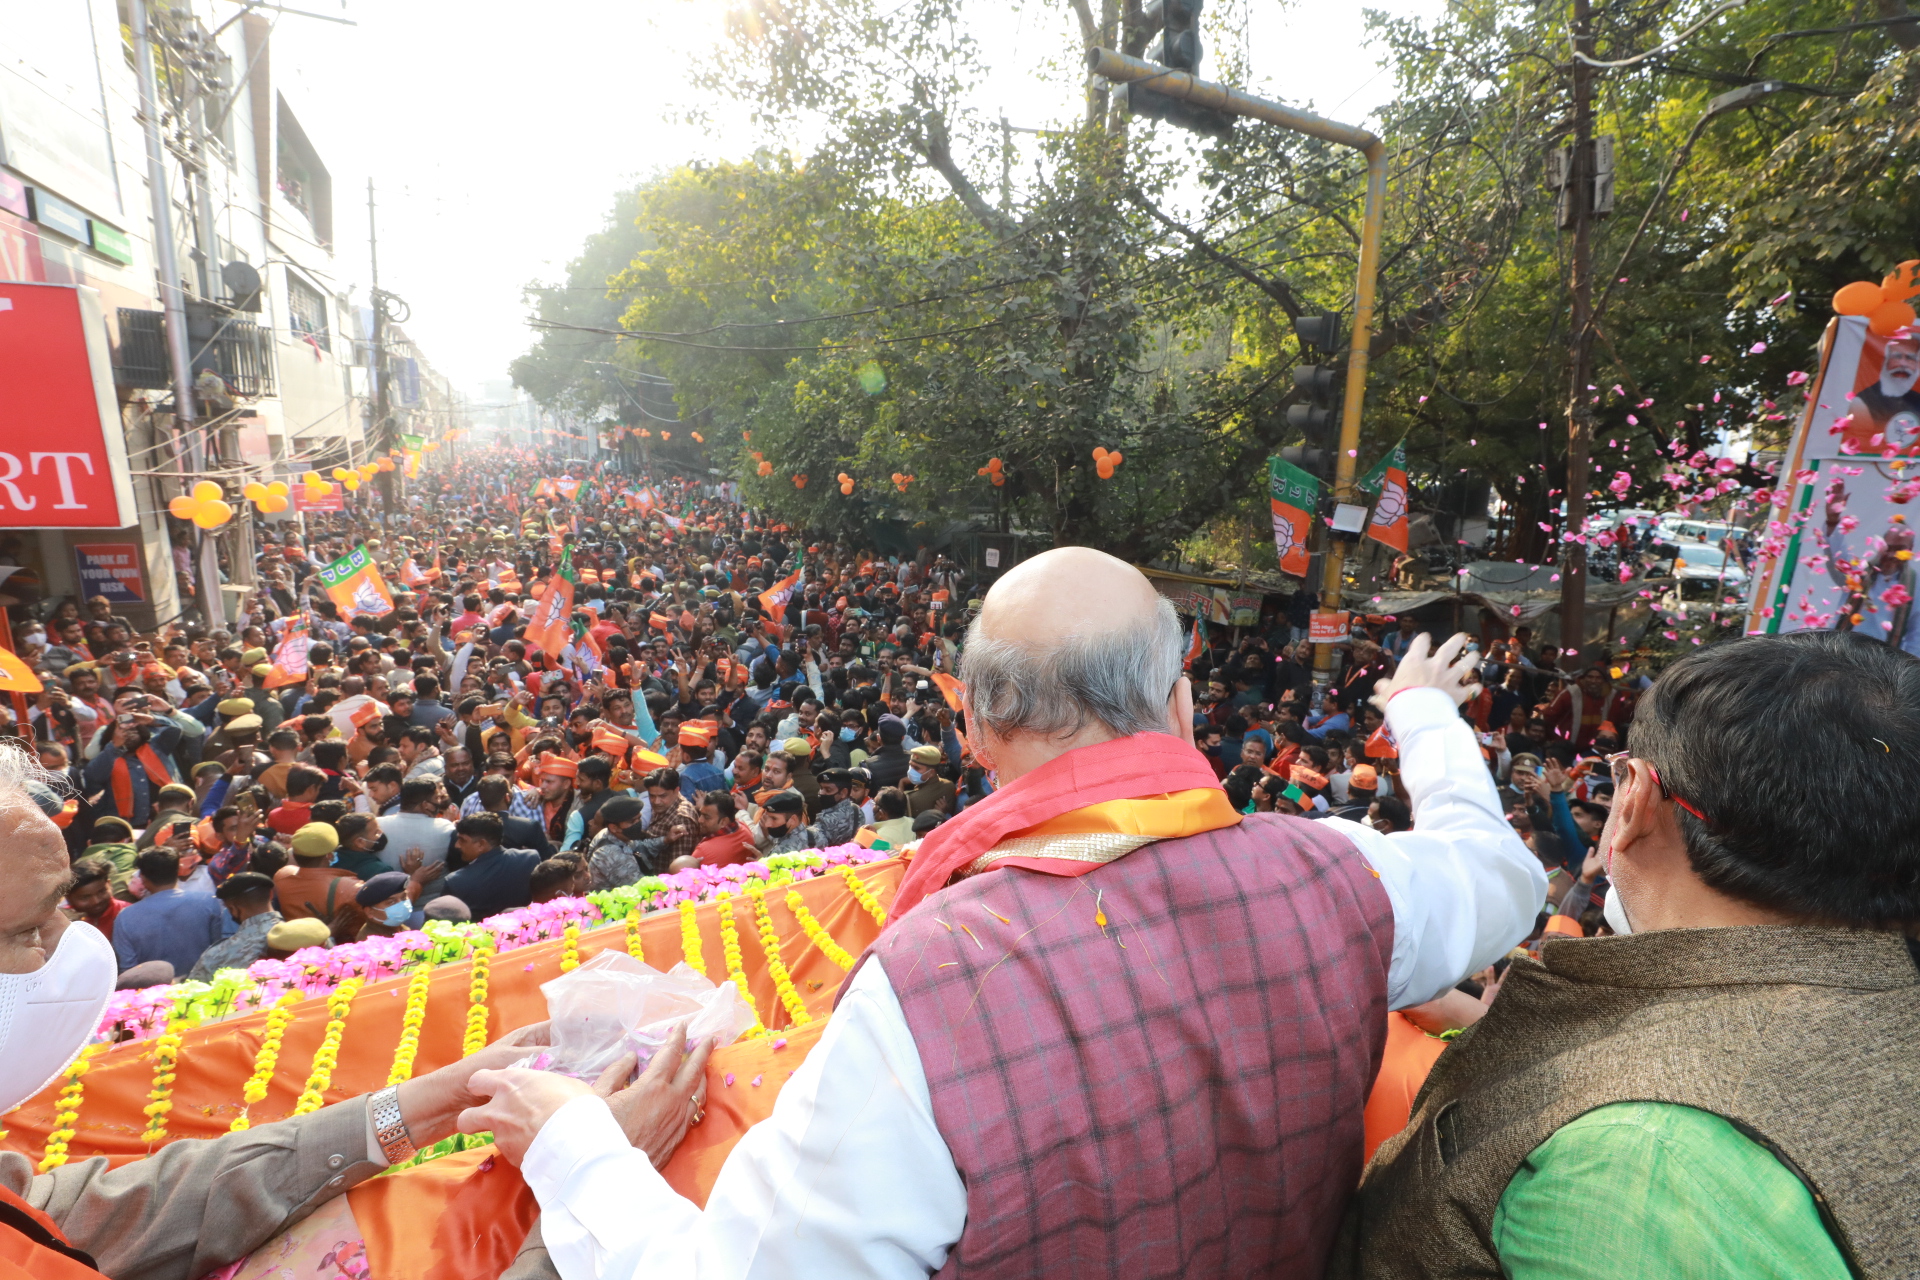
x,y
1157,1068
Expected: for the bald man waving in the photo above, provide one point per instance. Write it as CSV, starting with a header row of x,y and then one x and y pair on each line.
x,y
1147,1051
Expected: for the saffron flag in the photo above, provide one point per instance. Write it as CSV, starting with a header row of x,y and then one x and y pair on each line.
x,y
1198,644
410,575
1389,479
290,655
354,583
774,598
1295,494
547,628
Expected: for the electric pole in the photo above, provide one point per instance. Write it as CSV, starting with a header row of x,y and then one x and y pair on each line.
x,y
1577,201
377,360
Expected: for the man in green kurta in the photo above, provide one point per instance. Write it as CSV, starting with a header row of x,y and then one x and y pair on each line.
x,y
1724,1088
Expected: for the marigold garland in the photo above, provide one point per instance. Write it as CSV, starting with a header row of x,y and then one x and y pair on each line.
x,y
633,935
66,1110
862,895
817,932
776,967
327,1056
475,1037
267,1060
690,940
416,1013
736,967
570,949
166,1055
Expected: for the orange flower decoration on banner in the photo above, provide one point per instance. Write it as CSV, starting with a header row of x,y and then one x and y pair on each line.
x,y
1884,305
205,506
1104,461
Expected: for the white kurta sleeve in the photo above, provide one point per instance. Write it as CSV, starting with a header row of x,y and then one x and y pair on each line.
x,y
848,1177
1464,888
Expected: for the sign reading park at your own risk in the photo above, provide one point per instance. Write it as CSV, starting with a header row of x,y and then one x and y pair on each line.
x,y
63,454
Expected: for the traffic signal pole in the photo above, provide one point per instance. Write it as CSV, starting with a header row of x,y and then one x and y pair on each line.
x,y
1204,93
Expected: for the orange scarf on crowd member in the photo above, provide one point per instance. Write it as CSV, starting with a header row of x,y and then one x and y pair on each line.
x,y
158,775
1136,790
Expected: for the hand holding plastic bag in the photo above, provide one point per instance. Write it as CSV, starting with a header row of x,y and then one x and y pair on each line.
x,y
614,1005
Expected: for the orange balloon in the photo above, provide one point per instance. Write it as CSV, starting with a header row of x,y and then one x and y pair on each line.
x,y
1114,458
1099,453
666,435
1105,470
699,438
212,515
998,478
207,491
1859,298
981,471
352,482
748,437
184,507
846,489
279,489
253,491
1889,317
311,477
995,465
766,468
273,505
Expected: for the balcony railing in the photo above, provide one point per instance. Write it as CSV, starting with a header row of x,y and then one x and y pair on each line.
x,y
238,350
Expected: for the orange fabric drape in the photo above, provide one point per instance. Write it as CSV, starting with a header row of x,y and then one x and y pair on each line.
x,y
216,1060
1410,1055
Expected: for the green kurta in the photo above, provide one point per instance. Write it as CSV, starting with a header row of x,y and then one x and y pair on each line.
x,y
1653,1189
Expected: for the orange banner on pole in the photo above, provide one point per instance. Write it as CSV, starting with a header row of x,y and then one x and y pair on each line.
x,y
547,628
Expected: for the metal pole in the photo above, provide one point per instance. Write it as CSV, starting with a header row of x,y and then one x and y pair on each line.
x,y
167,268
1579,194
1178,84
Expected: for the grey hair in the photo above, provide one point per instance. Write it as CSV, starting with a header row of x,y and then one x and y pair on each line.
x,y
1119,678
22,776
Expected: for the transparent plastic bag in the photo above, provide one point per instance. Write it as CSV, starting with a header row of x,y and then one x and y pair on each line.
x,y
614,1004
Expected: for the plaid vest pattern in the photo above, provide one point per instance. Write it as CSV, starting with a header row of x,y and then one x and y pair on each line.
x,y
1157,1068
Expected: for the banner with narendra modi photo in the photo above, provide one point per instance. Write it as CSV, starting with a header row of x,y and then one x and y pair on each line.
x,y
1836,547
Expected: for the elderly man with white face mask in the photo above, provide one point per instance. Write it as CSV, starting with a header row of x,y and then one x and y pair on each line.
x,y
191,1207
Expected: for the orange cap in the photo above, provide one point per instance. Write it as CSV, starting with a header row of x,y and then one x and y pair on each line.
x,y
559,766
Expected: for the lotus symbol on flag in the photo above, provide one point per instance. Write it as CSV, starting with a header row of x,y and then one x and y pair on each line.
x,y
1286,535
1393,502
367,598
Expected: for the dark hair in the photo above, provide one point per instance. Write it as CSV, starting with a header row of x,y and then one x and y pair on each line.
x,y
426,686
303,778
158,865
550,874
722,801
330,811
283,740
330,754
599,768
1799,751
487,826
421,734
493,790
92,870
352,825
890,803
665,779
385,773
418,791
1394,812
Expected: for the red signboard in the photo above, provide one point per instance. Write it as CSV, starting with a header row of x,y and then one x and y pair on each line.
x,y
335,501
63,457
110,569
1329,628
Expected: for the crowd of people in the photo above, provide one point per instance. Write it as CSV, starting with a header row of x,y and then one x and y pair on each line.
x,y
1628,947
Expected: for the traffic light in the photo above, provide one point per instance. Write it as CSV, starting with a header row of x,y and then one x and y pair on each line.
x,y
1315,419
1177,47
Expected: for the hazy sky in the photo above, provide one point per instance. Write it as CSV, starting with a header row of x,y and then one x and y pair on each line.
x,y
497,134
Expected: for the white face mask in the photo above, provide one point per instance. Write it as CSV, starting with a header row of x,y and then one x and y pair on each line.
x,y
1615,912
47,1016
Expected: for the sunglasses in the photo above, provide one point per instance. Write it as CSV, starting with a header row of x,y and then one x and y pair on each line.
x,y
1617,765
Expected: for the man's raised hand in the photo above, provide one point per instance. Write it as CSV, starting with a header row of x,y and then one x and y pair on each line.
x,y
1439,669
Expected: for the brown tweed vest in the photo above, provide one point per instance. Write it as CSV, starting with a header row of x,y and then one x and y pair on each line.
x,y
1808,1040
1174,1092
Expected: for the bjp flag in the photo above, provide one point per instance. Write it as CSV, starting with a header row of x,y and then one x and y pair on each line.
x,y
353,582
1294,494
1389,480
774,598
548,628
290,655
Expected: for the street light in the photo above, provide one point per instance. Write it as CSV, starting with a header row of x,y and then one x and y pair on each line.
x,y
1202,93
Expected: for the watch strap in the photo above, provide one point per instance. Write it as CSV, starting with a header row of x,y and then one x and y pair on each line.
x,y
389,1129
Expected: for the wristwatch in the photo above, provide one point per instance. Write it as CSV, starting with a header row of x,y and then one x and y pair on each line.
x,y
389,1130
